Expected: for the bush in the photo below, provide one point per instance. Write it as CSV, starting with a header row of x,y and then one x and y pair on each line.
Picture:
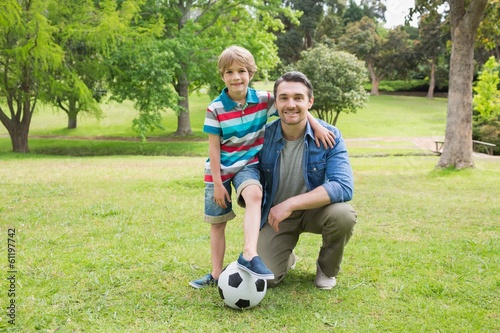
x,y
489,132
400,85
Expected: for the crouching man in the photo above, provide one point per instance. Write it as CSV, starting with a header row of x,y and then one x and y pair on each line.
x,y
305,187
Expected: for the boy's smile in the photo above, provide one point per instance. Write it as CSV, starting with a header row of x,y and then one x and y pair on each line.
x,y
236,77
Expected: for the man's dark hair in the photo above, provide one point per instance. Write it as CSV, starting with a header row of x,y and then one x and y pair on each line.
x,y
294,77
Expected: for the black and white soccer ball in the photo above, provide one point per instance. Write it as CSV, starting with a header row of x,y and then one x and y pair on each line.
x,y
239,289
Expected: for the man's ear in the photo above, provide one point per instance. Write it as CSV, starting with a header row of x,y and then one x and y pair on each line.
x,y
311,102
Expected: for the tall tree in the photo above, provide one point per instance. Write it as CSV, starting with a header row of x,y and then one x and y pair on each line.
x,y
374,9
431,45
361,38
488,36
194,34
86,31
465,17
299,35
28,57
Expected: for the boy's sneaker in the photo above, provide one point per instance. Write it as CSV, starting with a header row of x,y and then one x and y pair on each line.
x,y
206,281
255,267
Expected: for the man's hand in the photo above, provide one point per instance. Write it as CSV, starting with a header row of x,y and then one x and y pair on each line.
x,y
279,213
221,195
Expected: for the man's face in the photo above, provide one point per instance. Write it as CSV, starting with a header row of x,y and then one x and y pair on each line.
x,y
292,102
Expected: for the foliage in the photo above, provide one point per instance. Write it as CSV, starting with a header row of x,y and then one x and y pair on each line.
x,y
374,9
28,57
488,34
193,35
486,125
487,98
87,32
400,85
337,78
385,57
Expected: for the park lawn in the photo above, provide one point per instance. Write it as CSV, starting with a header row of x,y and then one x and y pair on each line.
x,y
385,115
109,244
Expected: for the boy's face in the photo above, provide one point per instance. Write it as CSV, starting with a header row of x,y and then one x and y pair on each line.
x,y
236,77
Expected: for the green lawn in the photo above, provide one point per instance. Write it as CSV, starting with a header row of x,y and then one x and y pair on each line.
x,y
108,244
384,116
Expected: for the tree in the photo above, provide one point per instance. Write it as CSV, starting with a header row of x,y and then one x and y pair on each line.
x,y
465,17
486,101
194,33
373,9
384,57
361,38
337,78
86,31
431,45
28,57
488,35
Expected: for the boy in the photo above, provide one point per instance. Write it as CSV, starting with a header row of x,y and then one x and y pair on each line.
x,y
235,124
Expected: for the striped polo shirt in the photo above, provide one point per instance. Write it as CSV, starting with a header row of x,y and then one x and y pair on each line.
x,y
240,128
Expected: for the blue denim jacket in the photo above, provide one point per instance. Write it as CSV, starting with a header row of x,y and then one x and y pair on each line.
x,y
329,168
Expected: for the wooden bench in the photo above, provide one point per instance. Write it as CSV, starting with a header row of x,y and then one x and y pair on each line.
x,y
489,146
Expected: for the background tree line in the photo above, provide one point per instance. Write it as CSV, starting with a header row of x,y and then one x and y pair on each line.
x,y
74,54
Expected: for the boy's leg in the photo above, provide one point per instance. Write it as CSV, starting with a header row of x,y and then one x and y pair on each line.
x,y
249,194
252,195
217,217
217,247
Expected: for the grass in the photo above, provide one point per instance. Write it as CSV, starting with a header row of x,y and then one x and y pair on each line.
x,y
400,117
108,244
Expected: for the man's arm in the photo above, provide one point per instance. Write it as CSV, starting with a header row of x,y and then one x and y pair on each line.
x,y
310,200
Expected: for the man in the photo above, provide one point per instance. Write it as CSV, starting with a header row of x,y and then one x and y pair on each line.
x,y
305,187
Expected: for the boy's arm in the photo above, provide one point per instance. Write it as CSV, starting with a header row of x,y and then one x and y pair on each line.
x,y
321,133
220,192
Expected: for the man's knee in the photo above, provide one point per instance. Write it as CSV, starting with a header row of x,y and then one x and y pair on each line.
x,y
342,218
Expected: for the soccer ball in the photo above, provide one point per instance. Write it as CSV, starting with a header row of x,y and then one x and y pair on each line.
x,y
239,289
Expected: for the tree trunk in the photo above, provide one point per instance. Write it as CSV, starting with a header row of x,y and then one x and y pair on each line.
x,y
457,150
183,121
72,114
432,83
336,118
18,130
374,78
19,138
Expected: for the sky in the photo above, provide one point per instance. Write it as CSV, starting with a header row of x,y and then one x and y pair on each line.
x,y
396,12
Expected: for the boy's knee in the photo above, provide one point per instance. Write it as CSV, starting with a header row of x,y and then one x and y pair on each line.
x,y
251,194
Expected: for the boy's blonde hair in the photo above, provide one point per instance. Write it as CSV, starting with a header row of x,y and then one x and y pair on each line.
x,y
239,54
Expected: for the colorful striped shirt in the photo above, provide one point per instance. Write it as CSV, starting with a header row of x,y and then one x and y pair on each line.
x,y
240,128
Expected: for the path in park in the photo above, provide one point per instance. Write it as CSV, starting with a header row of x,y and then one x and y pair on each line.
x,y
426,144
